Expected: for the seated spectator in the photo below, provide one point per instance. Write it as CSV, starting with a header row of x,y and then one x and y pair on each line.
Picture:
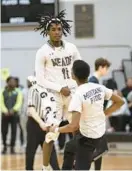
x,y
125,91
129,98
118,120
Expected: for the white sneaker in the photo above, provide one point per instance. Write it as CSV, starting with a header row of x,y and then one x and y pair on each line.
x,y
47,168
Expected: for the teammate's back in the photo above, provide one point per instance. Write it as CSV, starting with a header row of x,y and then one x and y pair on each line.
x,y
92,120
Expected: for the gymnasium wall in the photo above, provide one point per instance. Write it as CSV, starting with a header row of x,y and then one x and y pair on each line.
x,y
112,37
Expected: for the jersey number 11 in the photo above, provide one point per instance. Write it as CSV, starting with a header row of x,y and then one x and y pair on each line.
x,y
65,73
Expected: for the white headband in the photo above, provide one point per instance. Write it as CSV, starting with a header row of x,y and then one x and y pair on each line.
x,y
53,19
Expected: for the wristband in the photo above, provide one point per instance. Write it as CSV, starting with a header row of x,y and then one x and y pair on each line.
x,y
57,130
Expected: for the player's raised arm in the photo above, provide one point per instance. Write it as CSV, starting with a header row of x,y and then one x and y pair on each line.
x,y
40,72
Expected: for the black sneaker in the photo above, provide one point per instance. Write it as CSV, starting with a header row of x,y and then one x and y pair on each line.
x,y
12,150
4,150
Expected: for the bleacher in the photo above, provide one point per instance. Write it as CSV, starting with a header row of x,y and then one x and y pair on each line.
x,y
121,75
121,141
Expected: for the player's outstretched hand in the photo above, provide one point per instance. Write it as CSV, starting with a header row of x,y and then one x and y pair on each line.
x,y
65,91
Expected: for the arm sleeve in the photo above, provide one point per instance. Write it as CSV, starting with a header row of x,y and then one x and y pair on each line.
x,y
75,104
2,104
40,73
108,93
31,97
76,54
19,101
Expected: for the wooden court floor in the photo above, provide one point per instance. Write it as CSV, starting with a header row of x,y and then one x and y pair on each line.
x,y
110,162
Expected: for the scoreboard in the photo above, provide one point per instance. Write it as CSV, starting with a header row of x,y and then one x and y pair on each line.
x,y
25,11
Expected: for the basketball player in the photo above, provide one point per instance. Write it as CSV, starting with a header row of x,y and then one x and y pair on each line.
x,y
41,114
53,65
101,68
87,114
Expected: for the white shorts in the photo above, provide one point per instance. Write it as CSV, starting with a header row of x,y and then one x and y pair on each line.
x,y
62,104
49,108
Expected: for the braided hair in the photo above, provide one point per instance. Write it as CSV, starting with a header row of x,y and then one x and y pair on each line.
x,y
46,21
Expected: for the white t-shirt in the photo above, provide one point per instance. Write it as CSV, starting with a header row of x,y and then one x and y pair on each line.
x,y
88,100
53,65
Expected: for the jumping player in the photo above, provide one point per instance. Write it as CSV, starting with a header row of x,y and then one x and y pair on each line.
x,y
53,65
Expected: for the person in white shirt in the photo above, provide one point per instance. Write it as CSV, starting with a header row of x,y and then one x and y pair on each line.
x,y
88,115
101,69
118,118
53,64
